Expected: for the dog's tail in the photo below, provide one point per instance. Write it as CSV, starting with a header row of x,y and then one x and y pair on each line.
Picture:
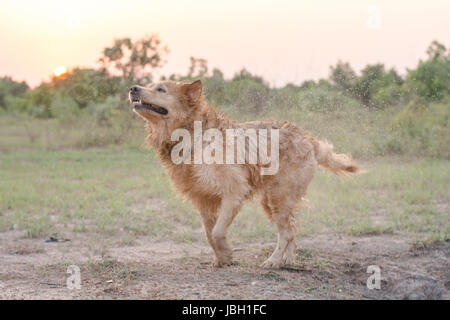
x,y
339,164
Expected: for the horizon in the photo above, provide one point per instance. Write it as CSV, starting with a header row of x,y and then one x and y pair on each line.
x,y
300,44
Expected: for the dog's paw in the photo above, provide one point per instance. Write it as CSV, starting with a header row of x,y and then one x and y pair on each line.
x,y
223,258
221,263
272,264
288,260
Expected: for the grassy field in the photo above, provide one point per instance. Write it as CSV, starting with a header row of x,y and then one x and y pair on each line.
x,y
53,181
133,237
125,192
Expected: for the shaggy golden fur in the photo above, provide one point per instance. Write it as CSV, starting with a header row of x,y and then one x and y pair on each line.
x,y
218,191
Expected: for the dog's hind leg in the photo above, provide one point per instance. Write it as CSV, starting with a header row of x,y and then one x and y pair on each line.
x,y
222,249
279,208
209,219
285,249
289,254
279,201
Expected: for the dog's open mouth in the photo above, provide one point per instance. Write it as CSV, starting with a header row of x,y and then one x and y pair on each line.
x,y
139,105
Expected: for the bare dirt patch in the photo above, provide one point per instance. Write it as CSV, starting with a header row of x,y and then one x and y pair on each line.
x,y
327,267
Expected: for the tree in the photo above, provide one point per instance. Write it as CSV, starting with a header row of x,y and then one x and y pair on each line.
x,y
198,68
39,101
431,79
365,88
86,86
11,89
135,61
244,74
248,91
343,76
215,86
436,51
388,89
307,84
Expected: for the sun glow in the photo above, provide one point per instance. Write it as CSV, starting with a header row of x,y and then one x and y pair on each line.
x,y
59,71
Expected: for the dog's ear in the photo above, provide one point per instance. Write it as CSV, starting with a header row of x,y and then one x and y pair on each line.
x,y
193,91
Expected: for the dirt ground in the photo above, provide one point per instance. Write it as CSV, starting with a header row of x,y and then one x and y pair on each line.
x,y
327,267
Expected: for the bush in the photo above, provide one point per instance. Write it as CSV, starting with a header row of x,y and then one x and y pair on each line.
x,y
39,100
322,99
105,112
15,103
431,79
85,86
247,95
64,107
389,95
424,129
9,91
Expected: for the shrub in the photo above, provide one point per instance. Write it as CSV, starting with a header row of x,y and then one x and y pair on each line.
x,y
431,79
38,101
63,106
424,128
323,100
106,111
389,95
247,95
10,89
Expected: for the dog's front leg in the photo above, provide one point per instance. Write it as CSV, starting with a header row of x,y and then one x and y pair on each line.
x,y
222,249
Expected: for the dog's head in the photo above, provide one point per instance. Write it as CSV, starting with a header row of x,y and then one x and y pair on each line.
x,y
166,100
166,106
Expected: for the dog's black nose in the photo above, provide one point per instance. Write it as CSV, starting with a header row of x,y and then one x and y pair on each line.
x,y
135,89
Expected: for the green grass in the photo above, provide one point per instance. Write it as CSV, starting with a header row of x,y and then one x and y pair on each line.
x,y
74,175
365,133
124,191
395,195
106,191
20,132
360,131
113,269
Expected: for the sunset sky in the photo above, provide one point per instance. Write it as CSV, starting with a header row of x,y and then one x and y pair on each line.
x,y
284,41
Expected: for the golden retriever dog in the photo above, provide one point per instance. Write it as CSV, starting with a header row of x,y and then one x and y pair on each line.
x,y
219,190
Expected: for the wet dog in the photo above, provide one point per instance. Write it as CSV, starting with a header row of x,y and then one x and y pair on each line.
x,y
218,190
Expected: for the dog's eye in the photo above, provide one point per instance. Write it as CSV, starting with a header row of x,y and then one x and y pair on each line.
x,y
161,90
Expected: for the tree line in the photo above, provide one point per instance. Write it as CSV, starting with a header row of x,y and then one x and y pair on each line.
x,y
126,62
